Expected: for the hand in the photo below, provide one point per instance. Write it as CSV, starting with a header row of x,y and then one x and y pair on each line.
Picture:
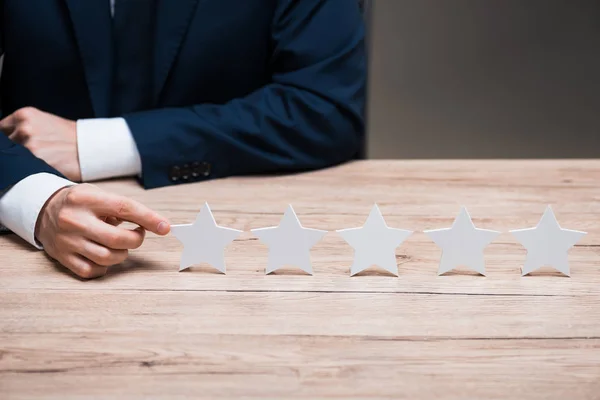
x,y
77,227
51,138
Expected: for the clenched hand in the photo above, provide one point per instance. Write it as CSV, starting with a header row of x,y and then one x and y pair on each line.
x,y
77,227
51,138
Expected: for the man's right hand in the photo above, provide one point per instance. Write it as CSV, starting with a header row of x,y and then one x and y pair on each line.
x,y
77,227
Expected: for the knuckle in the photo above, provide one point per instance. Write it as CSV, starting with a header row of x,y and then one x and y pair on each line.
x,y
89,271
105,256
25,113
72,196
77,195
85,271
122,207
25,129
65,220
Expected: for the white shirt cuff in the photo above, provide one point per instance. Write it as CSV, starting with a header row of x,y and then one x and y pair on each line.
x,y
106,149
20,206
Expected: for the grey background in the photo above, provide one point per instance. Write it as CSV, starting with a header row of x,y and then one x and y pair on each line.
x,y
484,78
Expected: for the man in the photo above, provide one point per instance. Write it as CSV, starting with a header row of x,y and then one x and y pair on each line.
x,y
168,91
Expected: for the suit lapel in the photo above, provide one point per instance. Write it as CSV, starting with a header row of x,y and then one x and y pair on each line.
x,y
92,25
172,23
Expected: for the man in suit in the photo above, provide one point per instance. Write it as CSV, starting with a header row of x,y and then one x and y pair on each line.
x,y
169,92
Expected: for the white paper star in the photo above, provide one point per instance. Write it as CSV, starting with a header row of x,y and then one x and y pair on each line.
x,y
462,244
547,244
289,243
374,243
204,240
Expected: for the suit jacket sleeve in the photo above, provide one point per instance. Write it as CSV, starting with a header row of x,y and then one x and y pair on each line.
x,y
1,29
16,162
1,45
310,116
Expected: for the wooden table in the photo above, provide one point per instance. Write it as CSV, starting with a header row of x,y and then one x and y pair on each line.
x,y
148,331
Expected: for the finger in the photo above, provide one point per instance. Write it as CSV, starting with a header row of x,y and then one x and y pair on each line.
x,y
8,124
18,137
112,236
100,255
130,210
82,267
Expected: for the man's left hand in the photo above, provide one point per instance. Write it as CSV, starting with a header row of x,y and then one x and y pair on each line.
x,y
51,138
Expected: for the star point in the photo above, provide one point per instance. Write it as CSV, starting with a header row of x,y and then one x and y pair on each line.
x,y
204,241
289,242
374,243
462,244
547,244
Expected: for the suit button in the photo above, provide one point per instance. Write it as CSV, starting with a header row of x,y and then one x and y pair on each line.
x,y
175,173
200,169
204,169
186,172
195,170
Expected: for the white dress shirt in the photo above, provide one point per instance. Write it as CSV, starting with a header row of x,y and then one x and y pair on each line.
x,y
106,149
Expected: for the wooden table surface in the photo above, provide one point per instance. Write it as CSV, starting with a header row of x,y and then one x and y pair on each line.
x,y
148,331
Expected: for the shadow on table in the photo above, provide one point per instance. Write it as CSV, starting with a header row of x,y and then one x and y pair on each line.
x,y
289,270
203,268
545,271
17,241
462,272
133,263
371,271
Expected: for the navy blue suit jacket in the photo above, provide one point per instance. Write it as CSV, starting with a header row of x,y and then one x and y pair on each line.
x,y
240,86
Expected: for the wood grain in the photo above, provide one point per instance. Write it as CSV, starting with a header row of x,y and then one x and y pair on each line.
x,y
148,331
122,366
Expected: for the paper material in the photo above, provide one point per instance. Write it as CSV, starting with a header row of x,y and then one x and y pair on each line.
x,y
374,243
462,244
547,244
289,243
204,241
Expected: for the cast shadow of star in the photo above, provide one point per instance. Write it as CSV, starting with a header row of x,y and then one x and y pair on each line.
x,y
545,271
290,270
462,271
373,270
202,268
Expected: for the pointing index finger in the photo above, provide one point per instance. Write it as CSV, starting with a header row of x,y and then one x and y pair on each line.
x,y
130,210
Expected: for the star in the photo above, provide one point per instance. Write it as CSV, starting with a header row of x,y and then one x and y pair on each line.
x,y
289,243
204,241
374,243
547,244
462,244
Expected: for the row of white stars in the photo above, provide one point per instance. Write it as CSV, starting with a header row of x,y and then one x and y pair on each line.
x,y
375,243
